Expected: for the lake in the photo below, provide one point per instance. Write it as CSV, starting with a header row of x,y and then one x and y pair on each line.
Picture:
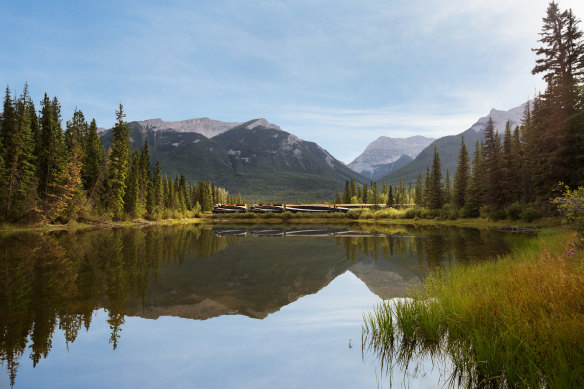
x,y
229,306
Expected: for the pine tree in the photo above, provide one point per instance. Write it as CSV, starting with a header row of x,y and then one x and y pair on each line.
x,y
509,184
419,191
390,200
436,196
18,195
461,177
347,193
472,202
157,188
516,177
374,198
447,189
76,130
365,194
144,174
52,159
132,191
93,157
561,60
118,164
427,188
493,167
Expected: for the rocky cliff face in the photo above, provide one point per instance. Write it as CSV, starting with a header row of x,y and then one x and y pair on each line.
x,y
380,157
204,126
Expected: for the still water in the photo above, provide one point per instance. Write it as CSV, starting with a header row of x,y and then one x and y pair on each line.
x,y
189,306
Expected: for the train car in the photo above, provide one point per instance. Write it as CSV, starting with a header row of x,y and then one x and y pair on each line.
x,y
310,208
347,207
230,208
267,208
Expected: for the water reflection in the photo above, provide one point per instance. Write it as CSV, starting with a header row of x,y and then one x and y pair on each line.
x,y
56,281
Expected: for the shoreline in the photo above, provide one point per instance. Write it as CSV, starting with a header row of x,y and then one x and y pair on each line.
x,y
208,219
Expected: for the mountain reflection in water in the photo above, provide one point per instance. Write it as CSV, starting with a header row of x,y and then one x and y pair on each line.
x,y
58,280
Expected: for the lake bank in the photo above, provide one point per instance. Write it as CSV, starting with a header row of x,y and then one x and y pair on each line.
x,y
277,219
516,321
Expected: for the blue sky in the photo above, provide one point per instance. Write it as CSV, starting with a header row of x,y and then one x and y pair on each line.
x,y
340,73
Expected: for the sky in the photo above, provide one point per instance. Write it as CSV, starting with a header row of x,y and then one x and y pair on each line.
x,y
335,72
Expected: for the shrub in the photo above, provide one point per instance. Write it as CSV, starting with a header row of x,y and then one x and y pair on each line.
x,y
468,213
410,213
354,213
530,214
448,212
485,212
498,214
514,211
571,206
286,215
430,213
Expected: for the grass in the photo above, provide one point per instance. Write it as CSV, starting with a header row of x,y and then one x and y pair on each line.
x,y
517,321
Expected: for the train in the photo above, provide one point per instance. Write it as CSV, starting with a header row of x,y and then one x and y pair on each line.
x,y
294,208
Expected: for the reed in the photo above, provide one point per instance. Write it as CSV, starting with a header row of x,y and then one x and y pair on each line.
x,y
516,321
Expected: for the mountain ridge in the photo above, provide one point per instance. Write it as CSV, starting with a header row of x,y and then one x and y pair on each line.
x,y
256,158
448,147
382,155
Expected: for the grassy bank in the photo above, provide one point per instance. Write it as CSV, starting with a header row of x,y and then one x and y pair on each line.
x,y
97,224
366,216
517,321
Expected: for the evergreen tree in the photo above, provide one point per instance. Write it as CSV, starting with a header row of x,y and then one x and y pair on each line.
x,y
118,164
76,130
419,191
447,189
461,177
390,200
157,188
374,198
18,160
515,174
436,196
132,188
561,60
493,167
347,193
93,157
472,202
52,159
365,194
427,188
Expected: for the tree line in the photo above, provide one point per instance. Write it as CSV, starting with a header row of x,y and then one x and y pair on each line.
x,y
55,175
521,166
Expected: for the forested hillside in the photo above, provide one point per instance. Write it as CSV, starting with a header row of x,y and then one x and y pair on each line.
x,y
54,175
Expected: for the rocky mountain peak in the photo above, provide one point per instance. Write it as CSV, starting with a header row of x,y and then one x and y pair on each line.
x,y
380,155
263,123
500,119
204,126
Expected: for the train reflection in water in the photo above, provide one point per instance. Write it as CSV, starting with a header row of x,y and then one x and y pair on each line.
x,y
294,208
296,233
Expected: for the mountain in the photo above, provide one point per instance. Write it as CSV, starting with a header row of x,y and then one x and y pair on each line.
x,y
385,155
256,158
449,146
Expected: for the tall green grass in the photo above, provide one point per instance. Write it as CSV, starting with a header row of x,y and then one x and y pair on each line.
x,y
517,321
